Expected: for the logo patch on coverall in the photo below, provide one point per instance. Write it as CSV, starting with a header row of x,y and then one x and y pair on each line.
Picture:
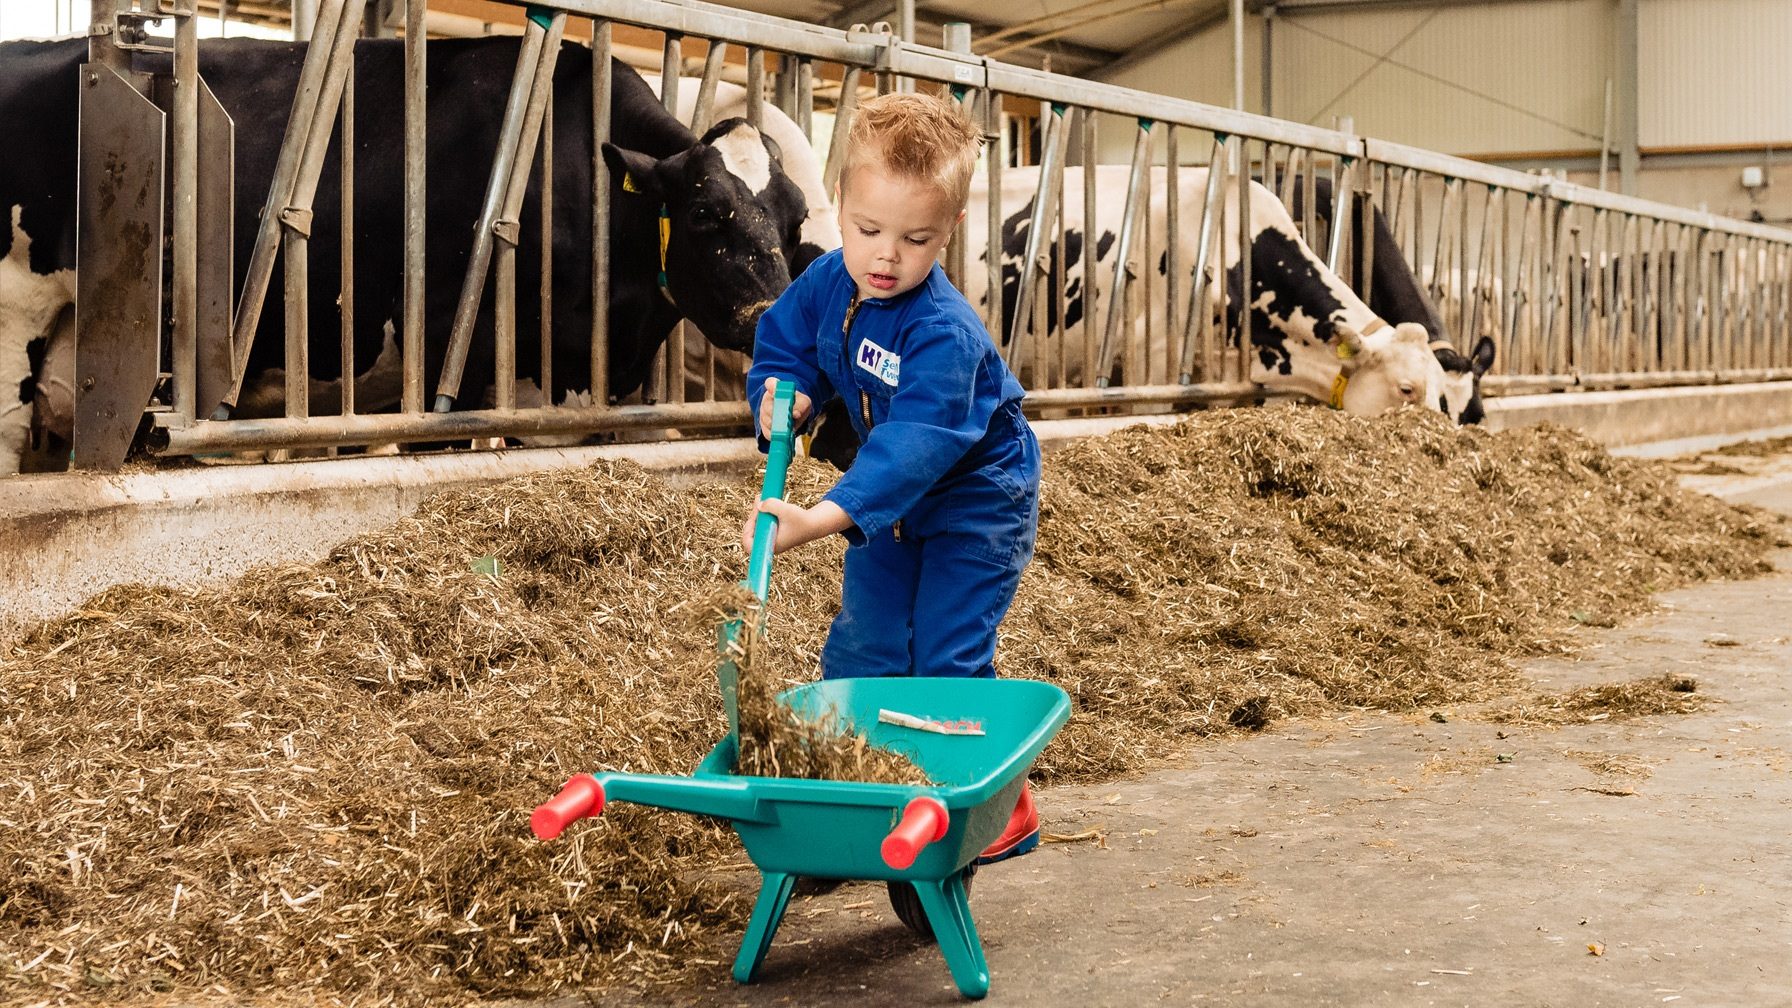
x,y
880,362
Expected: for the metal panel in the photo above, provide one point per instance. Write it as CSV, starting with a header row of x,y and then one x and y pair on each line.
x,y
217,201
1714,72
215,247
119,251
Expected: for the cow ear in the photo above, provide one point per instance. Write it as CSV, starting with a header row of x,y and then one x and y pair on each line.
x,y
635,172
772,148
1350,345
1482,359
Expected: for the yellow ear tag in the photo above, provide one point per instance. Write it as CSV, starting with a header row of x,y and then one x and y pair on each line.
x,y
1345,351
1338,385
628,183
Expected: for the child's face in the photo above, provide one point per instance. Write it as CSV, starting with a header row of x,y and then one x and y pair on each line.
x,y
892,228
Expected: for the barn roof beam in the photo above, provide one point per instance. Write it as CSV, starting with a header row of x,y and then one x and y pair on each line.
x,y
1204,17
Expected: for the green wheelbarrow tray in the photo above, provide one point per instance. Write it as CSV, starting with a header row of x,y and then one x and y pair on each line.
x,y
926,836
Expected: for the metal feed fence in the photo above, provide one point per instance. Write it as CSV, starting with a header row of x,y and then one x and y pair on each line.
x,y
1578,288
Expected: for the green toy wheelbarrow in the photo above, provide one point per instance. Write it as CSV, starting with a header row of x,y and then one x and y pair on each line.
x,y
974,738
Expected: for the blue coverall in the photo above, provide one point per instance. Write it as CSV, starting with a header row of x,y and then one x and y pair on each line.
x,y
944,494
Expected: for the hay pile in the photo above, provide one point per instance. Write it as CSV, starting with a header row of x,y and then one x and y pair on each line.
x,y
320,777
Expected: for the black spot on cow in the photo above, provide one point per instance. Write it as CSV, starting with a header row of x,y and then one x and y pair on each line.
x,y
1105,243
1278,268
34,353
1060,312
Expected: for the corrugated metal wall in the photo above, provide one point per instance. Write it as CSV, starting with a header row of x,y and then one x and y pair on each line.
x,y
1505,78
1715,72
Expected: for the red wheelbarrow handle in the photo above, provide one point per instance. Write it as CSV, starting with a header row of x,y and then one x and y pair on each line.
x,y
582,796
923,822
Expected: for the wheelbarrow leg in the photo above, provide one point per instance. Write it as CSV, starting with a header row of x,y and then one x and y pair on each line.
x,y
774,896
949,911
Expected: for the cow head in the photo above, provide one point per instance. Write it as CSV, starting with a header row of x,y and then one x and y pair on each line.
x,y
1385,368
731,220
1461,399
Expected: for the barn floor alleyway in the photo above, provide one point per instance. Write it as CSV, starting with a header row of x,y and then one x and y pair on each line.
x,y
1384,860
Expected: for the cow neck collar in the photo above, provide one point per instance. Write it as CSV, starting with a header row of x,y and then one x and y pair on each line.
x,y
1341,380
665,240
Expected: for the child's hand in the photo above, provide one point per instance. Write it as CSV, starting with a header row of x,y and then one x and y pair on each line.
x,y
799,409
796,525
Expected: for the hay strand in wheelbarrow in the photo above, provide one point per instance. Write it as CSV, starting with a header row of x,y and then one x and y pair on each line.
x,y
776,741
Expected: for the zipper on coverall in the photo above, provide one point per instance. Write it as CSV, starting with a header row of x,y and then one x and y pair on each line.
x,y
852,310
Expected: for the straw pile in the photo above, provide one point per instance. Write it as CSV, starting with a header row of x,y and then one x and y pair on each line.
x,y
320,778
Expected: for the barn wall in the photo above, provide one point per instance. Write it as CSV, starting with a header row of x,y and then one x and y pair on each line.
x,y
1457,79
1714,72
1523,84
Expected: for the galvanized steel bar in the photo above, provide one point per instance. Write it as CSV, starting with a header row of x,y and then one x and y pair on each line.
x,y
1338,238
184,136
805,95
1436,278
756,86
346,243
1309,215
374,428
1086,130
1365,217
509,225
849,99
957,38
260,272
1172,250
1459,254
1045,207
1241,175
671,67
1198,313
296,217
601,87
545,280
416,140
1137,185
1519,351
510,140
703,114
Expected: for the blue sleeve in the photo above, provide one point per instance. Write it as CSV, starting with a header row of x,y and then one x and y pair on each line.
x,y
784,348
935,417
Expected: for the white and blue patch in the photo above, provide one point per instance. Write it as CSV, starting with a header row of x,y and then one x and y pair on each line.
x,y
880,362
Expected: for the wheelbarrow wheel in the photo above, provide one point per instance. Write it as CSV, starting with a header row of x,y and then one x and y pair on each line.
x,y
907,903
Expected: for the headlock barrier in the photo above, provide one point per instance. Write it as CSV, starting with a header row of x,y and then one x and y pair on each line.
x,y
1108,285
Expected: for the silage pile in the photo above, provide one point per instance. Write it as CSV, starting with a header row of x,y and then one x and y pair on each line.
x,y
320,778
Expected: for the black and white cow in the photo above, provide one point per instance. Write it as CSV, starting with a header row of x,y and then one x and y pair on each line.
x,y
1309,330
734,216
723,375
1393,290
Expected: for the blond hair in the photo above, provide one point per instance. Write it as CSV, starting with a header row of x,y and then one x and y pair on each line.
x,y
916,136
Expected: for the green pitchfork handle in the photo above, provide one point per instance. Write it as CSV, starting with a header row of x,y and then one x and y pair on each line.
x,y
777,463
